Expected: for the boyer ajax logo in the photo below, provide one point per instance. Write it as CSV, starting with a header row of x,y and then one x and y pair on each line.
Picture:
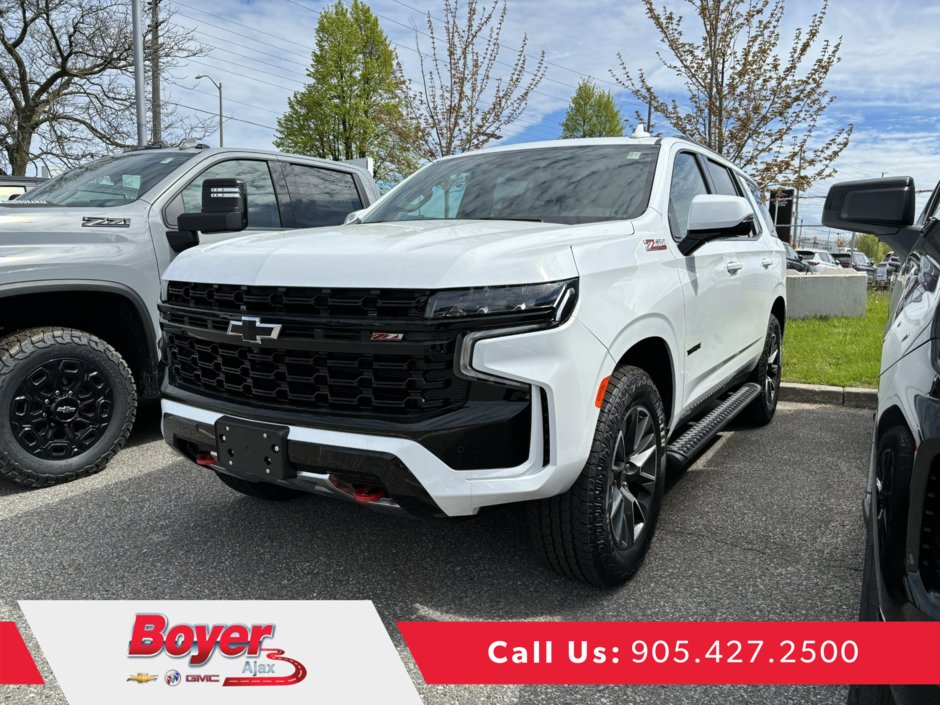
x,y
258,663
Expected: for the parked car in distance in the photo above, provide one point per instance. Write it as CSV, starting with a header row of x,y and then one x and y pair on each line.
x,y
818,259
14,186
80,287
901,576
546,323
855,260
795,262
893,263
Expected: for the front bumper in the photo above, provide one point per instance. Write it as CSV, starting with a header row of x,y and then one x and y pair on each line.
x,y
563,368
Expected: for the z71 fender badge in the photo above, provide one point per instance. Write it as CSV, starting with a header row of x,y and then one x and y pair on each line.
x,y
654,245
96,222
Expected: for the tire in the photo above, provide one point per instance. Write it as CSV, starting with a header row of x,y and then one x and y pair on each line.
x,y
893,469
260,490
67,405
767,374
584,534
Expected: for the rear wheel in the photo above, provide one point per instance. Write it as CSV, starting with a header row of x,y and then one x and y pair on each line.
x,y
599,531
259,490
760,412
67,405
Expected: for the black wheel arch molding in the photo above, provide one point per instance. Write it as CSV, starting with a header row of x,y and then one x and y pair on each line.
x,y
146,366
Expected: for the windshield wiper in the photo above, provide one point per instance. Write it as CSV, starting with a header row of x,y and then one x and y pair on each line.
x,y
527,220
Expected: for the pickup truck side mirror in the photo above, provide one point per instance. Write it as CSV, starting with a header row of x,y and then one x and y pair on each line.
x,y
712,217
882,207
224,209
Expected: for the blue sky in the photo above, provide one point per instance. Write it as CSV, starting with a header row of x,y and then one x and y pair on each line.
x,y
886,83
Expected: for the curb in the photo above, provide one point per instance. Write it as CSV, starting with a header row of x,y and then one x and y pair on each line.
x,y
821,394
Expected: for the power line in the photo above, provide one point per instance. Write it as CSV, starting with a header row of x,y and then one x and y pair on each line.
x,y
227,119
580,74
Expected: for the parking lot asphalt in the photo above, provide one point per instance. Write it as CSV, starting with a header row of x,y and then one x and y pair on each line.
x,y
766,525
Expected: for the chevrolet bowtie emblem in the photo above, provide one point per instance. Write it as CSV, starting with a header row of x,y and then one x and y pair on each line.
x,y
253,330
142,678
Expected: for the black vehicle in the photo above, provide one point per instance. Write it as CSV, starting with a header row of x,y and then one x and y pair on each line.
x,y
13,186
901,578
795,262
855,260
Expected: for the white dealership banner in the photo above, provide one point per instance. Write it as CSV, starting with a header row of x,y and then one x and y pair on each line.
x,y
218,652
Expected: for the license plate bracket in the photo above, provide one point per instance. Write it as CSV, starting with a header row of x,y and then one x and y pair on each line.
x,y
252,448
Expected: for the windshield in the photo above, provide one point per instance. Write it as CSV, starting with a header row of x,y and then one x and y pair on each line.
x,y
112,181
577,184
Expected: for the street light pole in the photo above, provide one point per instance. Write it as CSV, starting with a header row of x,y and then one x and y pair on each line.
x,y
221,123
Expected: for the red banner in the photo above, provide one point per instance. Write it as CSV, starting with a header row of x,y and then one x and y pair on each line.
x,y
661,653
16,664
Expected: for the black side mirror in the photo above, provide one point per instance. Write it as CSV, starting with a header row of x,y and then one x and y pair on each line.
x,y
224,210
882,207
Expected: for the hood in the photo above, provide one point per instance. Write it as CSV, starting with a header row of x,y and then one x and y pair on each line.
x,y
51,224
414,254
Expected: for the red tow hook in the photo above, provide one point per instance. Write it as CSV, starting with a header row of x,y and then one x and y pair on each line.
x,y
367,495
206,459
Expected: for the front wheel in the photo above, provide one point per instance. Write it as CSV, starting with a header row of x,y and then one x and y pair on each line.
x,y
67,405
599,531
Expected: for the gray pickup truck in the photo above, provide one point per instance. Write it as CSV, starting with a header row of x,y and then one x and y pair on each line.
x,y
80,263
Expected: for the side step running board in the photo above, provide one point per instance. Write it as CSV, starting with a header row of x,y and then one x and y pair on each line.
x,y
685,448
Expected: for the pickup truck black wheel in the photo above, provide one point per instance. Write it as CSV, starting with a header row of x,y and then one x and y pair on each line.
x,y
760,412
599,531
894,465
259,490
67,405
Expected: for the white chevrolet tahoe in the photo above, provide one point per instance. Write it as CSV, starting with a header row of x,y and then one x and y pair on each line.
x,y
554,323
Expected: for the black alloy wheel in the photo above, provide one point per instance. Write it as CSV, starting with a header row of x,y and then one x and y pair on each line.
x,y
61,409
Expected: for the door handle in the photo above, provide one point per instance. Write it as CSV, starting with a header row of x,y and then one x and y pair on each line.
x,y
734,266
766,262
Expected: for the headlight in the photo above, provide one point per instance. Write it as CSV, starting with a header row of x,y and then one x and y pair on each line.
x,y
553,300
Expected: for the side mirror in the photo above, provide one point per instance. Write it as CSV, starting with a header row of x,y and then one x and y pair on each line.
x,y
712,217
877,206
354,216
224,210
882,207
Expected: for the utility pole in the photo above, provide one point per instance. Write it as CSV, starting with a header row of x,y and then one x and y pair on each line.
x,y
796,197
155,102
138,47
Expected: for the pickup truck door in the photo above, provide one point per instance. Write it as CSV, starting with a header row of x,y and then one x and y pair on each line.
x,y
268,203
715,325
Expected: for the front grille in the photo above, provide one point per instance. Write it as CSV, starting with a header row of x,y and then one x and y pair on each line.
x,y
309,302
378,382
930,530
324,358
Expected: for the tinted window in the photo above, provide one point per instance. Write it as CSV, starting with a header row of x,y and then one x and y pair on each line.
x,y
687,183
112,181
321,196
262,202
554,184
721,178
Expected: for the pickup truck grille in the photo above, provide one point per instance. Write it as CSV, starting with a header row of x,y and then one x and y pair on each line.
x,y
930,530
324,358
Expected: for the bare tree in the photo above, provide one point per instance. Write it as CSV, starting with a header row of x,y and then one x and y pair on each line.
x,y
66,92
747,99
463,103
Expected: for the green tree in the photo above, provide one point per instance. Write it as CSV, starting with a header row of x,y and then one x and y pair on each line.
x,y
871,246
354,105
592,113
